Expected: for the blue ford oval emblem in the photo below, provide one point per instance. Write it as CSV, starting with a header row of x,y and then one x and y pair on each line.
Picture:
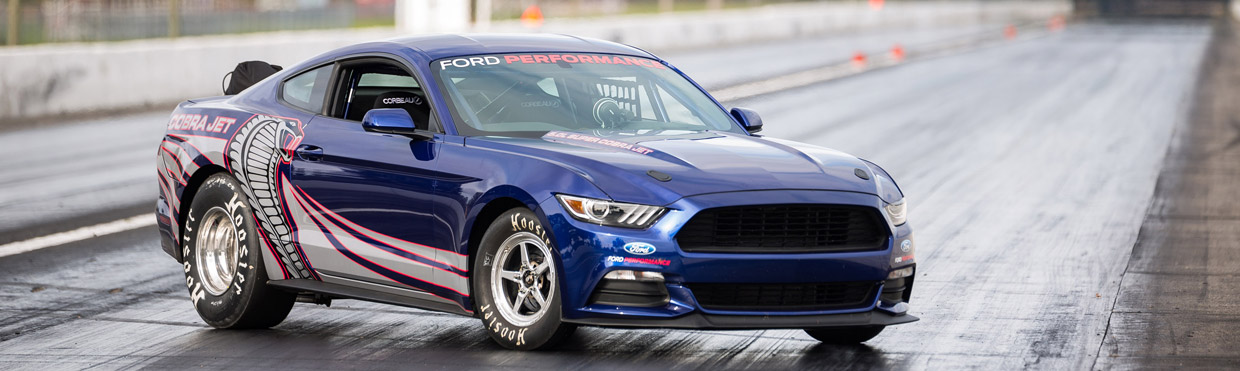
x,y
906,246
639,248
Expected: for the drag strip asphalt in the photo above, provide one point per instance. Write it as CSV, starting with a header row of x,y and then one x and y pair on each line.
x,y
1029,168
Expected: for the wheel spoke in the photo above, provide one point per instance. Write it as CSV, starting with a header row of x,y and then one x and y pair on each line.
x,y
516,304
525,255
542,268
538,297
513,276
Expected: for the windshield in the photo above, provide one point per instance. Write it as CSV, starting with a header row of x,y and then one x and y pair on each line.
x,y
531,94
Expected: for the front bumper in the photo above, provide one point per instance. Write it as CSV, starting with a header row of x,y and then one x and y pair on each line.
x,y
590,251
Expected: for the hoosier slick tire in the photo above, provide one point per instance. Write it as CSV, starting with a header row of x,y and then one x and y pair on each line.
x,y
518,284
844,335
224,262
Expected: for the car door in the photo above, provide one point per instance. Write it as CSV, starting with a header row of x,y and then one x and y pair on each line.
x,y
364,197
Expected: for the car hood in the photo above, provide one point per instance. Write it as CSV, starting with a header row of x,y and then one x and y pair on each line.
x,y
621,163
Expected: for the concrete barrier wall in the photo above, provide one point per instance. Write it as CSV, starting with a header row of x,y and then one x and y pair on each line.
x,y
73,79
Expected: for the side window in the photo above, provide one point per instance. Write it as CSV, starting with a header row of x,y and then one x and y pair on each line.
x,y
307,90
373,83
677,111
375,79
548,86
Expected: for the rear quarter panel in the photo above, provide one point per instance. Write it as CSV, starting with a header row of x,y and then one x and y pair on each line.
x,y
196,143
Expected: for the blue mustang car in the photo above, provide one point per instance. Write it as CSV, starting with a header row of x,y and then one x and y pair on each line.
x,y
537,183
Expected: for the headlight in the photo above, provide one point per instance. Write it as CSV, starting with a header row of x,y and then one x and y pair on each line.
x,y
897,212
611,213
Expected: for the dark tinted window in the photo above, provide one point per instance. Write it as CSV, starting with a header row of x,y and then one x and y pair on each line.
x,y
372,83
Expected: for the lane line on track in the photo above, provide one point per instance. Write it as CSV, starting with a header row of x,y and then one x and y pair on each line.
x,y
56,239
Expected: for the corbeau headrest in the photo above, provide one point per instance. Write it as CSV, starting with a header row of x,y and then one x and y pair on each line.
x,y
399,99
413,103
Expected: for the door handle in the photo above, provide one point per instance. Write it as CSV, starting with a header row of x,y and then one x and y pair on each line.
x,y
309,153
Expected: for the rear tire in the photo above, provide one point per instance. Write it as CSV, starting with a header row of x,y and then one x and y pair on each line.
x,y
517,284
224,260
844,335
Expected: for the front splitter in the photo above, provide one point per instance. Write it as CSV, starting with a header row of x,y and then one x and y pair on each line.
x,y
699,320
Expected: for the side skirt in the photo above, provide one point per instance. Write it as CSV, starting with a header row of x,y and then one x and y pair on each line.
x,y
357,290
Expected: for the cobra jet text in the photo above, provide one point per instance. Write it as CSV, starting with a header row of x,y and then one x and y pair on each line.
x,y
201,123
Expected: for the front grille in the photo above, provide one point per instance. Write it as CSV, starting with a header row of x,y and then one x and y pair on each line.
x,y
784,229
784,296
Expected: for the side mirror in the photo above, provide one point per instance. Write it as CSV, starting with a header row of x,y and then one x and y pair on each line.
x,y
392,121
748,118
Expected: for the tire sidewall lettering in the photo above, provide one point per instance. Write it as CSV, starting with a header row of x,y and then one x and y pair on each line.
x,y
238,213
528,223
499,328
497,325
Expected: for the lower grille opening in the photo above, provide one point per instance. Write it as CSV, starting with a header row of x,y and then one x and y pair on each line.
x,y
786,297
626,293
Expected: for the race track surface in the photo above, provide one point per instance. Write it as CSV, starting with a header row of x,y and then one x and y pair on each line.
x,y
1030,168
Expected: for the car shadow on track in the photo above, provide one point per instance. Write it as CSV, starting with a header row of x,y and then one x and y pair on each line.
x,y
364,345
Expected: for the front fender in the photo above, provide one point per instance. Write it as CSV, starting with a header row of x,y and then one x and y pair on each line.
x,y
481,176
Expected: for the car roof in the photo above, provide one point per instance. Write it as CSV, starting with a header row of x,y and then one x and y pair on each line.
x,y
453,45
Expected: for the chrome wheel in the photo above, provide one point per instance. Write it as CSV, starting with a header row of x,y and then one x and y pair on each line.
x,y
523,279
215,251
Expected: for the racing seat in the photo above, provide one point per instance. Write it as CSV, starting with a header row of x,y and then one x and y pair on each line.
x,y
415,104
525,101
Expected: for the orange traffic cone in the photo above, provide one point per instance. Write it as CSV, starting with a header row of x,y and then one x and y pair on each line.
x,y
1009,32
897,53
876,4
1056,23
858,59
532,17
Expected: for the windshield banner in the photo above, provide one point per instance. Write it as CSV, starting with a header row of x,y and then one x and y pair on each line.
x,y
548,59
564,136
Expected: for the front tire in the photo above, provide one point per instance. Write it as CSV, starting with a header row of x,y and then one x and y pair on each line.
x,y
223,261
517,284
844,335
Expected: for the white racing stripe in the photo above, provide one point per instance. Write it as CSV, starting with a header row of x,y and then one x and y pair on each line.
x,y
79,234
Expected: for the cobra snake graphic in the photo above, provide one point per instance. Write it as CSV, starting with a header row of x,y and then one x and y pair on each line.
x,y
255,156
